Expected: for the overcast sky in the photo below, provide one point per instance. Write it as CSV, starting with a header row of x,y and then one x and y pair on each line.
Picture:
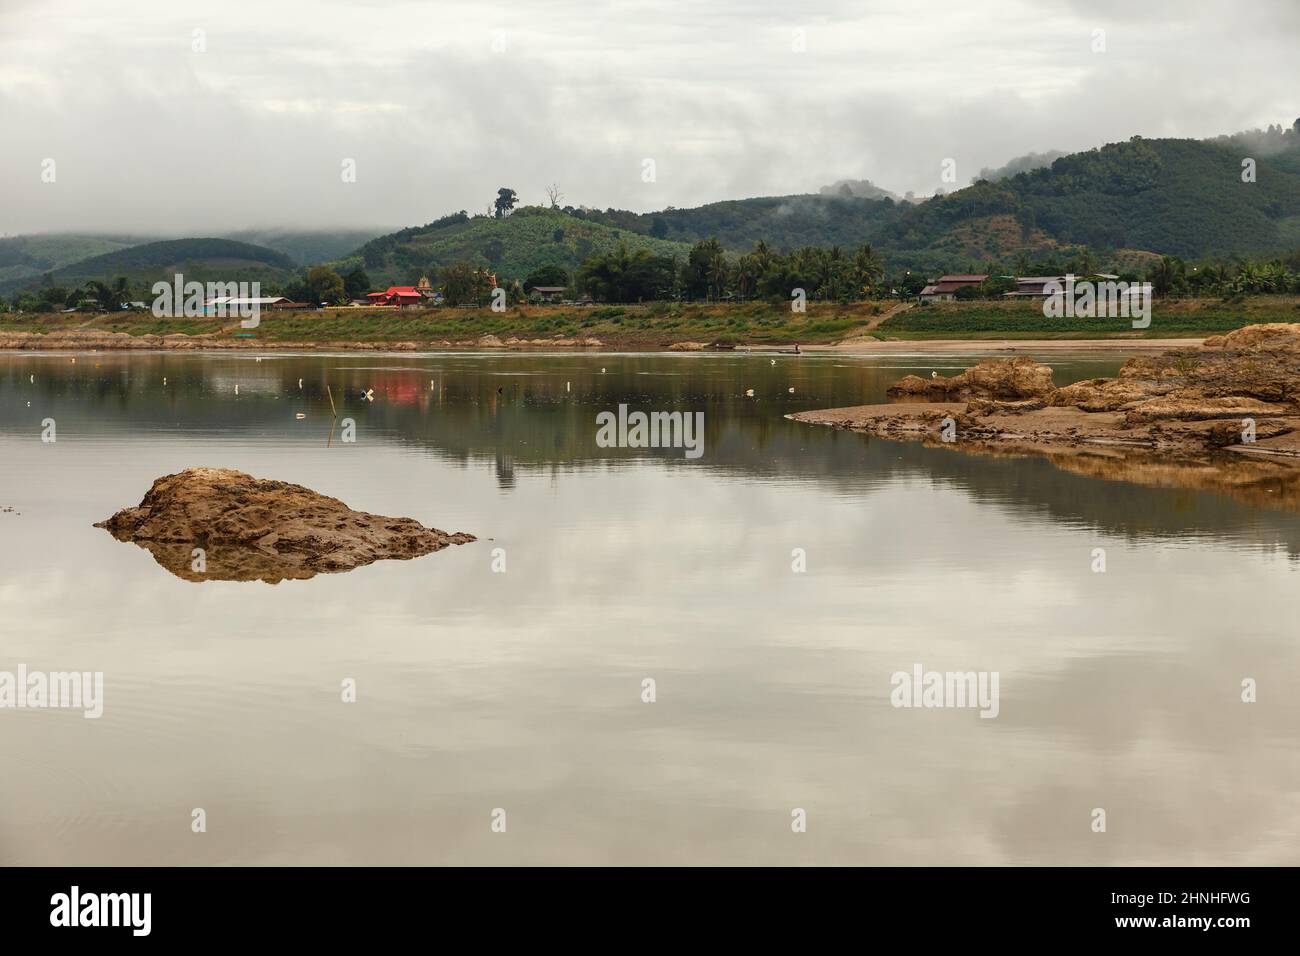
x,y
439,103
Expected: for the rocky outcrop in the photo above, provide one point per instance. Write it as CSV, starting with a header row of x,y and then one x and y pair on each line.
x,y
1171,408
1239,391
89,340
1259,363
1101,394
1013,379
1273,335
989,406
251,529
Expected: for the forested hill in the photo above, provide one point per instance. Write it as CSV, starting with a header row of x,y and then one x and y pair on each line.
x,y
22,257
1178,197
199,259
25,260
514,246
1170,196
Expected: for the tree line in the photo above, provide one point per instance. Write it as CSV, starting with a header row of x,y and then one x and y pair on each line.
x,y
709,273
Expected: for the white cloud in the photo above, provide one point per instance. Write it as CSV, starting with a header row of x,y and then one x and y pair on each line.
x,y
151,136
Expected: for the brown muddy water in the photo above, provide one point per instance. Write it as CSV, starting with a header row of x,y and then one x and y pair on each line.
x,y
479,690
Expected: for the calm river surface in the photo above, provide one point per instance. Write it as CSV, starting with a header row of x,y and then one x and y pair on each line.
x,y
522,690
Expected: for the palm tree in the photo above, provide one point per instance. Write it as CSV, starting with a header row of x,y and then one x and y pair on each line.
x,y
747,273
1086,262
868,270
1247,279
121,292
718,273
1273,277
1164,274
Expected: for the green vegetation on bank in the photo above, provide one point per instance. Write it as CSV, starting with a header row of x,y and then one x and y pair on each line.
x,y
659,325
648,326
1025,319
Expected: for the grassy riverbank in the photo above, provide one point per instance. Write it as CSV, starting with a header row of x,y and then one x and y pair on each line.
x,y
653,325
660,325
1025,320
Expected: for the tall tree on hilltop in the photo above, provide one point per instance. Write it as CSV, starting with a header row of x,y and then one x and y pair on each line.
x,y
505,201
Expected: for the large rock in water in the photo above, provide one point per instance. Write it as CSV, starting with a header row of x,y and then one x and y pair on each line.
x,y
252,529
1266,336
1003,379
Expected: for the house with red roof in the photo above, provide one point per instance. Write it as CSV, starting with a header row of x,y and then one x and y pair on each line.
x,y
944,289
397,295
422,293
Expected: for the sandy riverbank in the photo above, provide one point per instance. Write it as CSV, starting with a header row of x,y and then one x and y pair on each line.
x,y
85,340
1020,346
89,340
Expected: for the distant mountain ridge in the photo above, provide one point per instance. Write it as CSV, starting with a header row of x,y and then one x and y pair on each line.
x,y
29,256
199,259
862,189
1021,164
306,247
1164,196
1137,198
24,260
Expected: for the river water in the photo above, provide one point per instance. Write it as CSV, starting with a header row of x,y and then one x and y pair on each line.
x,y
480,690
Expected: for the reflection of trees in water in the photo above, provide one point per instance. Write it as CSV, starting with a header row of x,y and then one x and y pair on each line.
x,y
456,409
505,469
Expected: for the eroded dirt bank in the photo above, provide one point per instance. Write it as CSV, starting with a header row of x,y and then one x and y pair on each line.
x,y
1224,414
251,529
